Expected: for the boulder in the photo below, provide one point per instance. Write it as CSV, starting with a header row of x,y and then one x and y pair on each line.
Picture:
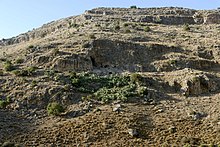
x,y
197,85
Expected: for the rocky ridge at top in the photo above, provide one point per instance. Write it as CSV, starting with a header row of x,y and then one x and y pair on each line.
x,y
164,15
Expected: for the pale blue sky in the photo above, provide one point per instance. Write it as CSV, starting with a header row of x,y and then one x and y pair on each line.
x,y
19,16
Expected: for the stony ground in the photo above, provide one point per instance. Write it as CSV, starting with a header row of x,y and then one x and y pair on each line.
x,y
178,65
177,121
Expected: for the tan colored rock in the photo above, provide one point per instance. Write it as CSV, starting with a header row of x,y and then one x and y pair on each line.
x,y
212,18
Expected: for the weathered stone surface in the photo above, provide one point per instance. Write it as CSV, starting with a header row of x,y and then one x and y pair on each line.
x,y
197,85
72,63
125,55
212,18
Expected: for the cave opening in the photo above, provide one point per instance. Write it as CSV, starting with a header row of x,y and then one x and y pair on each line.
x,y
93,62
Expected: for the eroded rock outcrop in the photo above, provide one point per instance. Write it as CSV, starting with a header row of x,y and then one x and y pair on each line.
x,y
197,85
212,18
71,63
126,55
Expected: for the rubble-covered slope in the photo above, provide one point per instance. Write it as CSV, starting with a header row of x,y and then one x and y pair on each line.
x,y
147,75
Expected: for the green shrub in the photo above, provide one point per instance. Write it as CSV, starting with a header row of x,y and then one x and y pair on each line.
x,y
147,29
8,66
108,88
134,78
127,31
31,46
133,7
186,27
20,72
92,36
19,61
117,28
1,73
31,70
4,103
25,72
54,108
172,62
126,24
33,83
142,91
55,51
115,93
50,73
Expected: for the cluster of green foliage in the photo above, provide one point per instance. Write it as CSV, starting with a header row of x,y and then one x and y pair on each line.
x,y
172,62
54,108
19,61
8,66
117,27
25,72
147,29
31,46
55,51
108,88
73,25
115,93
127,31
4,103
126,24
186,27
133,7
92,36
1,73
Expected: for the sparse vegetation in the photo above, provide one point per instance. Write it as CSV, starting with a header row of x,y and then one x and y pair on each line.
x,y
19,61
1,72
172,62
186,27
133,7
33,83
126,24
117,28
8,66
31,46
92,36
54,108
4,103
147,29
20,72
25,72
127,31
107,88
73,25
55,51
134,78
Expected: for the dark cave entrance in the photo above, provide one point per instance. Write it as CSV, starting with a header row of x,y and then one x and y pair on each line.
x,y
93,62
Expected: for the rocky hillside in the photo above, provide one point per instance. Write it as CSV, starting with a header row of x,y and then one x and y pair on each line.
x,y
147,75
